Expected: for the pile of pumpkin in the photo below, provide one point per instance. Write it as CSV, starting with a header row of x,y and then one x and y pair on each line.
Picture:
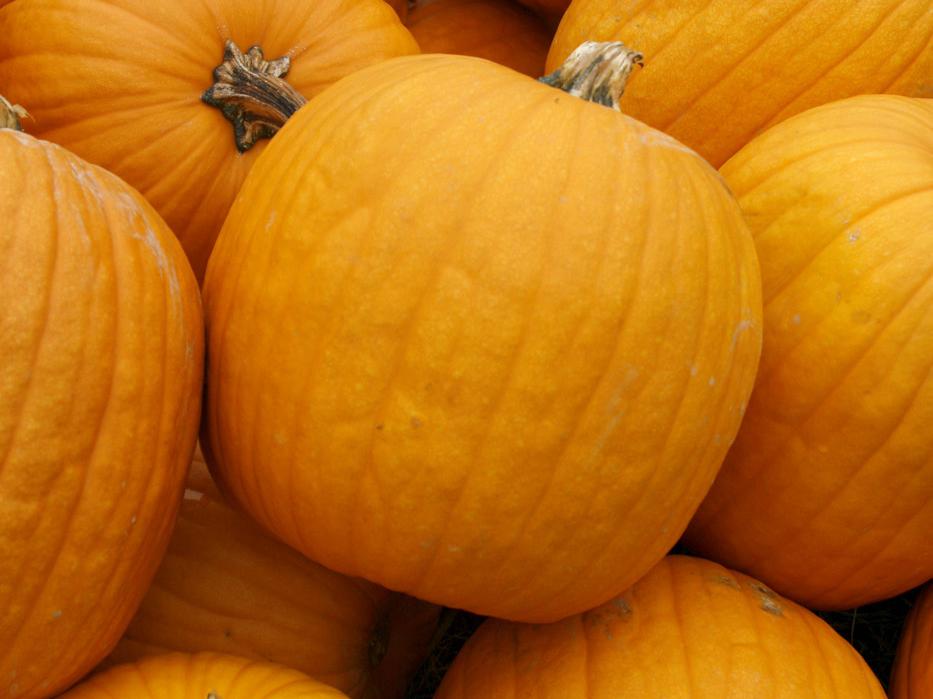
x,y
472,340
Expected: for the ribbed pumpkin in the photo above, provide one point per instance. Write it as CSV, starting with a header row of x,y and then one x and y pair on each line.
x,y
211,675
913,668
690,628
226,586
101,349
499,30
827,494
494,361
120,82
718,72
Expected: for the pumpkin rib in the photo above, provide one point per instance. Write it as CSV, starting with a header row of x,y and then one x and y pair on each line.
x,y
780,114
859,219
429,285
921,52
582,413
515,353
620,334
732,67
593,392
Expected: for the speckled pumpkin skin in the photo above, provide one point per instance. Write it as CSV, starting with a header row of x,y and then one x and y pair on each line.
x,y
442,364
690,629
101,367
827,494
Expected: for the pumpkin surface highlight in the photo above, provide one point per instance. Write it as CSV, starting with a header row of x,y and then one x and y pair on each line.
x,y
827,493
512,393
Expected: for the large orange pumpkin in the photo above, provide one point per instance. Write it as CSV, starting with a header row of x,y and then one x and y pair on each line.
x,y
210,675
493,361
827,494
690,628
499,30
101,347
718,72
226,586
120,82
913,668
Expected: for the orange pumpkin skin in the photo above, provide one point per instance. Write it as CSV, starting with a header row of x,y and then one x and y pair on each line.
x,y
212,675
827,493
912,677
718,72
498,30
483,342
101,340
119,82
690,628
226,586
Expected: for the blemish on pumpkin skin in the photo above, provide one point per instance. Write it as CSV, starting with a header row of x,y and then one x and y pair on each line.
x,y
727,581
768,599
57,614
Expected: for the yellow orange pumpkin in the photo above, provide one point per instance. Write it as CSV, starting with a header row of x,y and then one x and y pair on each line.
x,y
499,30
226,586
439,362
120,82
913,667
827,494
690,628
718,72
211,675
101,341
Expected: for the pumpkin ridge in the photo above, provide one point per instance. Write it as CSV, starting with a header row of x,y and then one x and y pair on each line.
x,y
430,285
684,109
776,117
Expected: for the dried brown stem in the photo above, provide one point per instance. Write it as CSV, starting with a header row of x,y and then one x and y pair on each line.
x,y
252,94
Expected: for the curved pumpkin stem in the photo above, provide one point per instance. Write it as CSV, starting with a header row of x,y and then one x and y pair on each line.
x,y
252,94
596,71
10,114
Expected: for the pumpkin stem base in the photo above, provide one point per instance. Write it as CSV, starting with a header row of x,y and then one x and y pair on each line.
x,y
10,115
596,71
252,94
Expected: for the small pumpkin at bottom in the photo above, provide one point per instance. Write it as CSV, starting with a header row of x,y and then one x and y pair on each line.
x,y
912,677
690,628
211,675
494,361
227,586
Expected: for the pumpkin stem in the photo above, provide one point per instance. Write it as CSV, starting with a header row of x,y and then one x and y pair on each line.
x,y
252,94
10,114
596,71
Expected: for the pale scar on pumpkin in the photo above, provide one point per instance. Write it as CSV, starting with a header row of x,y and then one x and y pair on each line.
x,y
768,598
